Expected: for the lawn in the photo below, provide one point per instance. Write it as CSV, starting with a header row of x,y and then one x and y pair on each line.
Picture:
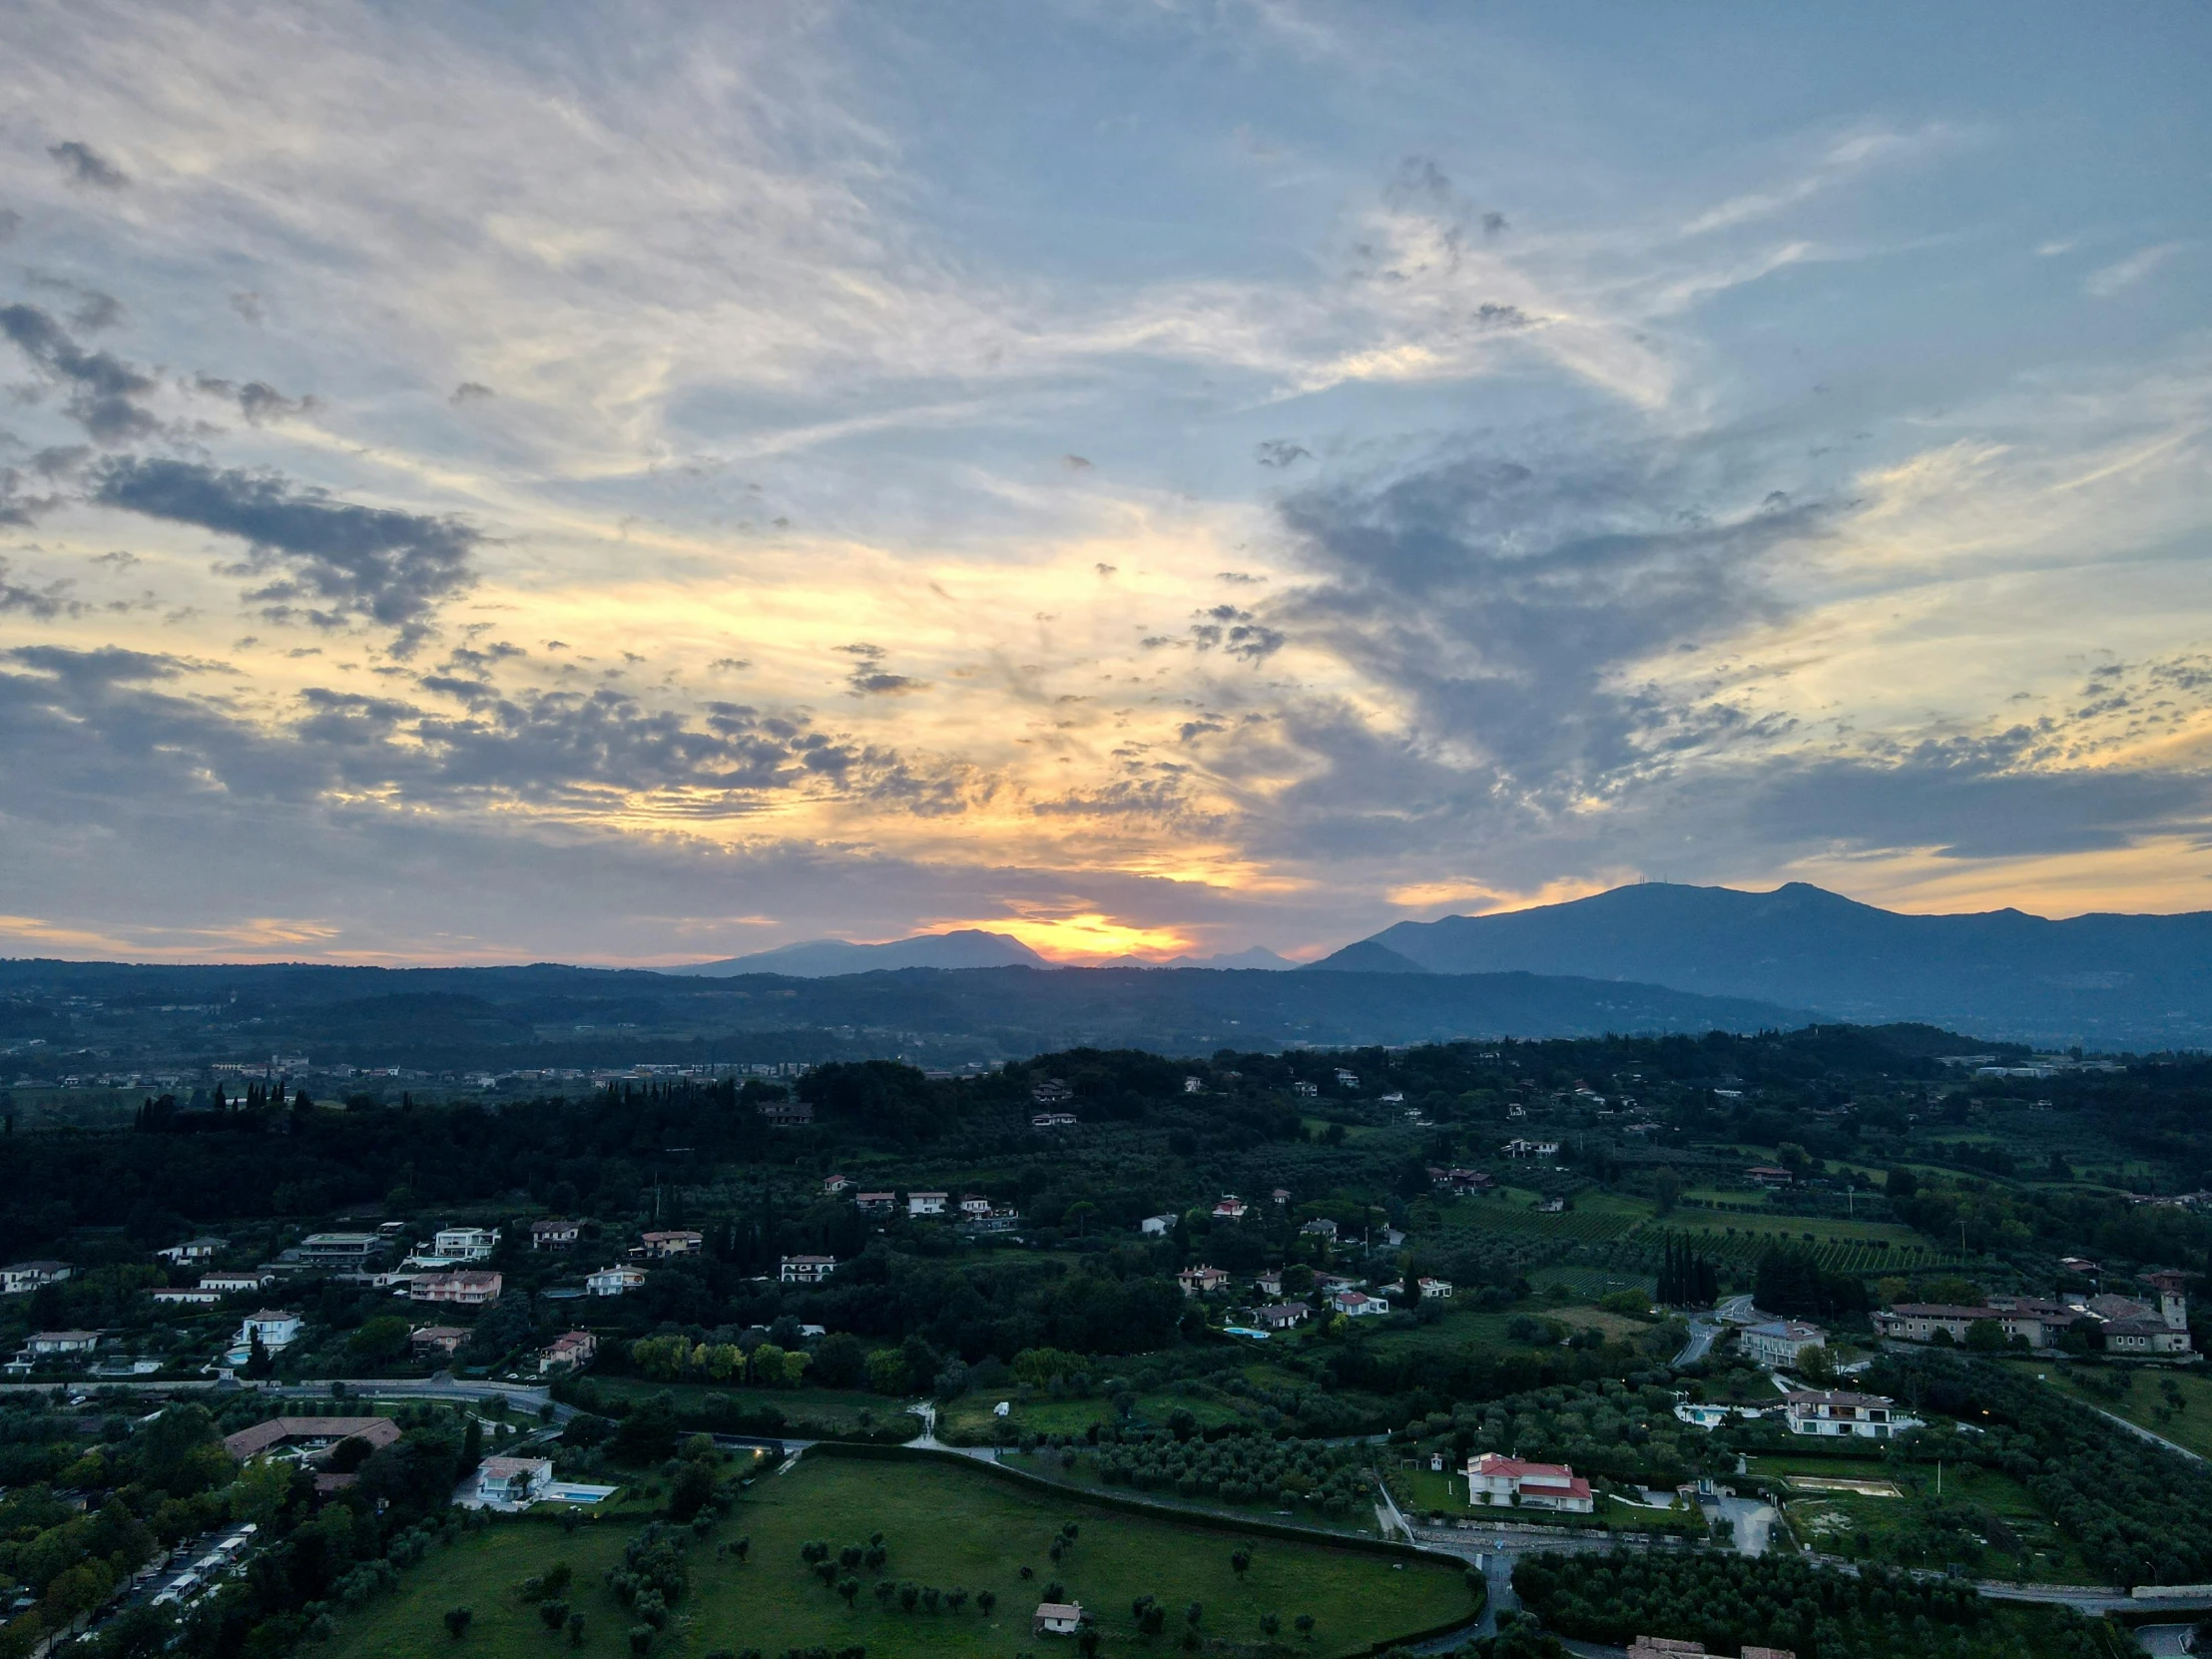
x,y
945,1526
1981,1518
971,1420
2184,1416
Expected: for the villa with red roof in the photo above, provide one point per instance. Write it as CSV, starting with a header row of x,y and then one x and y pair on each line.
x,y
1496,1480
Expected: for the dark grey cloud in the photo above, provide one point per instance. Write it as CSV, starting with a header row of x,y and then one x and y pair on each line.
x,y
95,312
81,164
1237,632
250,306
471,391
10,223
333,561
42,604
870,678
257,400
101,390
1279,452
1509,600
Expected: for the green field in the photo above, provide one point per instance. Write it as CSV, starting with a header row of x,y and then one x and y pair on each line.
x,y
945,1526
1981,1519
2146,1402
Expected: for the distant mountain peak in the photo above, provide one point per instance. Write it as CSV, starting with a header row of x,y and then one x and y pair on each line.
x,y
959,947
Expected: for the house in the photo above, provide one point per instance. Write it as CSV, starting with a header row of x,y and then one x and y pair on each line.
x,y
926,1204
235,1284
203,1248
1769,1175
1309,1090
1281,1315
681,1241
991,1221
1269,1283
1281,1196
335,1250
1531,1149
614,1281
1779,1342
54,1344
1833,1413
1319,1228
193,1297
1193,1085
572,1350
1664,1648
1357,1305
1438,1289
1057,1618
29,1275
1501,1483
1051,1092
875,1201
275,1327
465,1288
1231,1208
2037,1323
466,1244
835,1184
320,1434
554,1232
513,1482
1054,1120
1331,1283
2134,1328
1552,1207
974,1204
806,1270
1472,1180
1202,1280
1156,1227
443,1340
787,1114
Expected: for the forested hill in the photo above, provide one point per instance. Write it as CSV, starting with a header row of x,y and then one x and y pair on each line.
x,y
2107,981
562,1016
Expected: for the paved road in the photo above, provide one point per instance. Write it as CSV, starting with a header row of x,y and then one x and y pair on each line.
x,y
1702,1333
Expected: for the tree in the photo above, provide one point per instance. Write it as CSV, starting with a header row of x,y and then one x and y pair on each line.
x,y
1666,1187
258,1361
1305,1625
985,1600
1240,1561
456,1621
1985,1336
576,1630
1269,1625
850,1588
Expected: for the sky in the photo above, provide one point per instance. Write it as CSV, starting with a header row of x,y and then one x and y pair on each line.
x,y
648,484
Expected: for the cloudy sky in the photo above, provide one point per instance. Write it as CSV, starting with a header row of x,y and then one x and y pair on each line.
x,y
645,483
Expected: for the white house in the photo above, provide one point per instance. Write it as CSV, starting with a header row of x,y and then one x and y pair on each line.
x,y
1830,1412
466,1244
554,1232
1321,1227
1779,1342
1231,1208
926,1204
974,1204
29,1275
194,1250
190,1298
1497,1481
1438,1289
273,1326
1156,1227
235,1284
806,1270
1357,1305
614,1281
47,1345
512,1482
1057,1618
1281,1315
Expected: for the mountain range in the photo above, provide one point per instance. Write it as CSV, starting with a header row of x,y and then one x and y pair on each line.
x,y
963,948
2102,980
